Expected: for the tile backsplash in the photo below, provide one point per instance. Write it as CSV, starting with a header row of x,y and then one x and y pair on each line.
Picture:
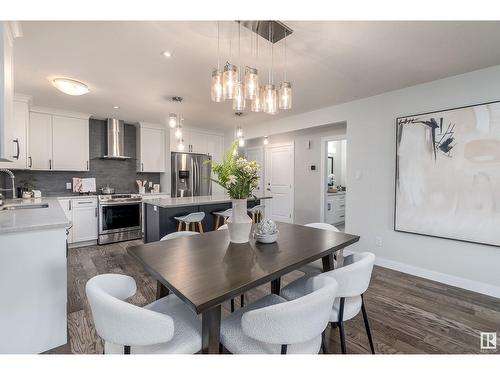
x,y
119,174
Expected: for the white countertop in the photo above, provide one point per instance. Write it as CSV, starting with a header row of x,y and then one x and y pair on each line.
x,y
337,193
193,201
28,219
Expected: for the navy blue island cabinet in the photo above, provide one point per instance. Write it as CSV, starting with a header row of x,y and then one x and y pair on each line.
x,y
159,221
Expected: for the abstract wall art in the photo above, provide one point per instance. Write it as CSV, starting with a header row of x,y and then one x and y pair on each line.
x,y
448,174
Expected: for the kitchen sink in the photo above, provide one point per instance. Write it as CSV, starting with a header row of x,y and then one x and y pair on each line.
x,y
23,206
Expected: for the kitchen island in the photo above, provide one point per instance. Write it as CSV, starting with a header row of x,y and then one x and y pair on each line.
x,y
159,213
33,276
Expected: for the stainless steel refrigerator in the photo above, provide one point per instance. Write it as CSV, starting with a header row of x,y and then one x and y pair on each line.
x,y
191,175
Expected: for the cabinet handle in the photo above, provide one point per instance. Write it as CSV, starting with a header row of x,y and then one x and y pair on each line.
x,y
50,163
87,165
96,212
16,141
30,162
142,167
69,205
84,202
329,206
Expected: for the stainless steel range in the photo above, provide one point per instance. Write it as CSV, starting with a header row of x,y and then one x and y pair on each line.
x,y
119,217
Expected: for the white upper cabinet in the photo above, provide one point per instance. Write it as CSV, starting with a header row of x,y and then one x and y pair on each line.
x,y
70,144
6,91
199,142
40,141
150,148
58,142
17,148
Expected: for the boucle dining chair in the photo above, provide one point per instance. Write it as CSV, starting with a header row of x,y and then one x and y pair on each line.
x,y
353,280
273,325
174,235
167,325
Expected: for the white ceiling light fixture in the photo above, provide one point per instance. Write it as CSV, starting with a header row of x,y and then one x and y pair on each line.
x,y
239,131
175,119
266,140
270,102
285,97
70,86
116,107
216,87
167,54
239,103
172,120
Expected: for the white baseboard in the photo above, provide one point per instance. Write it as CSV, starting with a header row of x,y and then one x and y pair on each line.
x,y
475,286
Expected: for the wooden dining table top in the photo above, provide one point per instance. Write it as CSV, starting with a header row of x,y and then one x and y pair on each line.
x,y
207,269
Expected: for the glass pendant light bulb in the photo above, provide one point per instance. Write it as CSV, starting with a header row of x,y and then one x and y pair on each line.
x,y
256,103
251,83
229,80
239,132
241,142
266,140
216,87
270,102
180,146
178,132
172,120
239,103
285,101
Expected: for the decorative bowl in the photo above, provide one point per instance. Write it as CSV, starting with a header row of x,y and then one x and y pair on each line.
x,y
267,238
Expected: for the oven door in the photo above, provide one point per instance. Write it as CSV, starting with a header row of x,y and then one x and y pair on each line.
x,y
119,217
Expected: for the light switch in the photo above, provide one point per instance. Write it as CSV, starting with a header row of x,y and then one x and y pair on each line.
x,y
68,185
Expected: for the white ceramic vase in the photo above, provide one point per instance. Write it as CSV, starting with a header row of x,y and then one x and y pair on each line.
x,y
239,223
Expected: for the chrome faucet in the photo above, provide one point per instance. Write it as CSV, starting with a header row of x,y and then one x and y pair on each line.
x,y
12,179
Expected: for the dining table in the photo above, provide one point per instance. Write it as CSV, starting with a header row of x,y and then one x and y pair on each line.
x,y
206,270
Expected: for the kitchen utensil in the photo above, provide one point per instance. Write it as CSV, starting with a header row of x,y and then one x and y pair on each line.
x,y
107,190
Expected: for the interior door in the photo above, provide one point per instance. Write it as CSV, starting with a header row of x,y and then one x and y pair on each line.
x,y
279,182
257,154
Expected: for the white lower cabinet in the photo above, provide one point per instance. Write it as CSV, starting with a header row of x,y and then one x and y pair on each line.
x,y
335,209
83,213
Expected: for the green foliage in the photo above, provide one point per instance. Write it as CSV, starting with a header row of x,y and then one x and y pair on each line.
x,y
28,184
236,174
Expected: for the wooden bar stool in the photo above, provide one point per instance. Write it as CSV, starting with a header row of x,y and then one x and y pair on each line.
x,y
193,218
222,214
257,212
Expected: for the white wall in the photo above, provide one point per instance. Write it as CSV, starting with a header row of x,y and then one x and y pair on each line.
x,y
371,157
307,198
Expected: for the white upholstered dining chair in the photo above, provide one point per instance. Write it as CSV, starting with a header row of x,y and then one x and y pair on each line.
x,y
164,326
174,235
316,267
353,280
271,325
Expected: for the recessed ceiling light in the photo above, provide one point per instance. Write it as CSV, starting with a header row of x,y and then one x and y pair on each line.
x,y
167,53
70,86
116,106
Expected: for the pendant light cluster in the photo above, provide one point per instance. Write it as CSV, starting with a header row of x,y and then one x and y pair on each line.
x,y
229,84
176,121
239,131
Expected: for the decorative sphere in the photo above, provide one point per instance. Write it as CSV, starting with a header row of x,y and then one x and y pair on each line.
x,y
266,227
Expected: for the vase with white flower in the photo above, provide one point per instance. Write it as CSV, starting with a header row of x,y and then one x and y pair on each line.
x,y
239,177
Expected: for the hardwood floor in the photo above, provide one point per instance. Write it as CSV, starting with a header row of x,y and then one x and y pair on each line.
x,y
407,314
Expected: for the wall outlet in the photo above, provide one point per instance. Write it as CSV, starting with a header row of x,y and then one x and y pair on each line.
x,y
68,185
378,241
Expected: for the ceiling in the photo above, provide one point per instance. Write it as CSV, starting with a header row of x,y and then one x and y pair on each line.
x,y
327,62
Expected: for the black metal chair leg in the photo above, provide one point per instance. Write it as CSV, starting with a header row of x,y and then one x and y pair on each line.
x,y
232,304
341,326
126,349
323,342
283,349
367,325
242,300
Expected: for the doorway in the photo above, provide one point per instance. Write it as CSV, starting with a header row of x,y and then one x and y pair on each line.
x,y
279,182
333,181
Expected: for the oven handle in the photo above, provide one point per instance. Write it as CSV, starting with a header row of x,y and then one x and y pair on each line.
x,y
118,203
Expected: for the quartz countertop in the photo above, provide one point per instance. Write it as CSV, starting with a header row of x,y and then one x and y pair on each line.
x,y
28,219
337,193
193,201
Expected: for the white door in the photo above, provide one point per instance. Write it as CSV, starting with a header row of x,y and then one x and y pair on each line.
x,y
257,154
40,141
215,148
70,144
279,182
84,220
152,150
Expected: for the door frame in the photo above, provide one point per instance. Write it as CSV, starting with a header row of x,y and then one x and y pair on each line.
x,y
323,167
261,151
276,145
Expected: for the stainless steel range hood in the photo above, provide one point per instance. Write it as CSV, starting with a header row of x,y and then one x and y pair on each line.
x,y
115,144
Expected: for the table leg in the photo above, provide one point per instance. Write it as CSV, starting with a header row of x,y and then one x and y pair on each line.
x,y
328,263
275,286
340,258
161,290
210,330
